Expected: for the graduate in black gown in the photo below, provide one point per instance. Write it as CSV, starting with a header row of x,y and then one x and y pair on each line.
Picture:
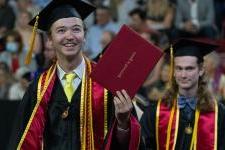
x,y
188,116
63,109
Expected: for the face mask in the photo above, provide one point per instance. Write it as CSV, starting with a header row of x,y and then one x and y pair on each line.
x,y
12,47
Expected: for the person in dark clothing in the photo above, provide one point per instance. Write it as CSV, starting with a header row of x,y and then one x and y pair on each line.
x,y
187,117
7,18
64,109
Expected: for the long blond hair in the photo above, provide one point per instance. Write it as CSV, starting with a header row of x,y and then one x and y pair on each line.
x,y
204,97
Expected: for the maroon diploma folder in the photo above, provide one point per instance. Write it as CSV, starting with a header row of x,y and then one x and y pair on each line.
x,y
126,63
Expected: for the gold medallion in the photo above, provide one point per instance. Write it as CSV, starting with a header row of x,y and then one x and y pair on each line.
x,y
65,113
188,130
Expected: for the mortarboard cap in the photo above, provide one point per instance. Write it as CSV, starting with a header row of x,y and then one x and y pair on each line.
x,y
193,47
58,9
55,10
189,47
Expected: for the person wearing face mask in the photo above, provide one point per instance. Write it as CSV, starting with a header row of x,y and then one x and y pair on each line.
x,y
12,47
14,54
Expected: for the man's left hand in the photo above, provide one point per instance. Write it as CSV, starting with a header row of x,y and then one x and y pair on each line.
x,y
123,107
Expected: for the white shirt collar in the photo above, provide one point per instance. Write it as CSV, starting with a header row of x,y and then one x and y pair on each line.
x,y
78,71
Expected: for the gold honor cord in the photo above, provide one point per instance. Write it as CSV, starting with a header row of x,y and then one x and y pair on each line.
x,y
40,95
32,40
170,126
90,117
157,124
194,135
171,66
105,112
216,121
86,124
83,113
176,128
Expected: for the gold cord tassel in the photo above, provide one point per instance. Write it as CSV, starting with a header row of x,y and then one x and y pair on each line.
x,y
171,65
32,40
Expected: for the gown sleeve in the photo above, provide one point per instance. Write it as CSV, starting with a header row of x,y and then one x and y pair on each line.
x,y
148,127
133,134
23,114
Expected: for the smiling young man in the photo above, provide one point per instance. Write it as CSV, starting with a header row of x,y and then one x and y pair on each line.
x,y
64,109
187,117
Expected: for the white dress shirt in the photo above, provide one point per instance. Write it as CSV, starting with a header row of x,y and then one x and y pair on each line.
x,y
78,71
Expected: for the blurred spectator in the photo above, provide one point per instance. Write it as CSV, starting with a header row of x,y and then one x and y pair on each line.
x,y
14,55
46,58
153,94
220,70
220,13
138,23
27,5
25,31
158,88
160,14
7,18
40,3
106,38
121,8
222,88
151,79
211,62
5,80
17,90
103,22
49,55
138,20
195,18
155,74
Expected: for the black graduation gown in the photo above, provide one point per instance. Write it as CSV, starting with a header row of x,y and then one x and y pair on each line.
x,y
183,140
59,134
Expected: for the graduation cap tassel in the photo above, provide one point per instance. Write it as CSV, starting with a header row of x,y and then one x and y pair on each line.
x,y
171,65
32,40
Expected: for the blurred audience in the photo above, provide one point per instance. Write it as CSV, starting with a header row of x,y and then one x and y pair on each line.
x,y
195,18
220,14
6,80
160,16
106,38
26,5
104,22
222,87
121,8
211,62
46,58
138,20
7,18
25,31
40,3
158,88
14,54
17,89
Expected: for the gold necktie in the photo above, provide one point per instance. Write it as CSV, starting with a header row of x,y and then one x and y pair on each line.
x,y
68,88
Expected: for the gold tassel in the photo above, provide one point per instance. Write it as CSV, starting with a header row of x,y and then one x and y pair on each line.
x,y
171,65
32,40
